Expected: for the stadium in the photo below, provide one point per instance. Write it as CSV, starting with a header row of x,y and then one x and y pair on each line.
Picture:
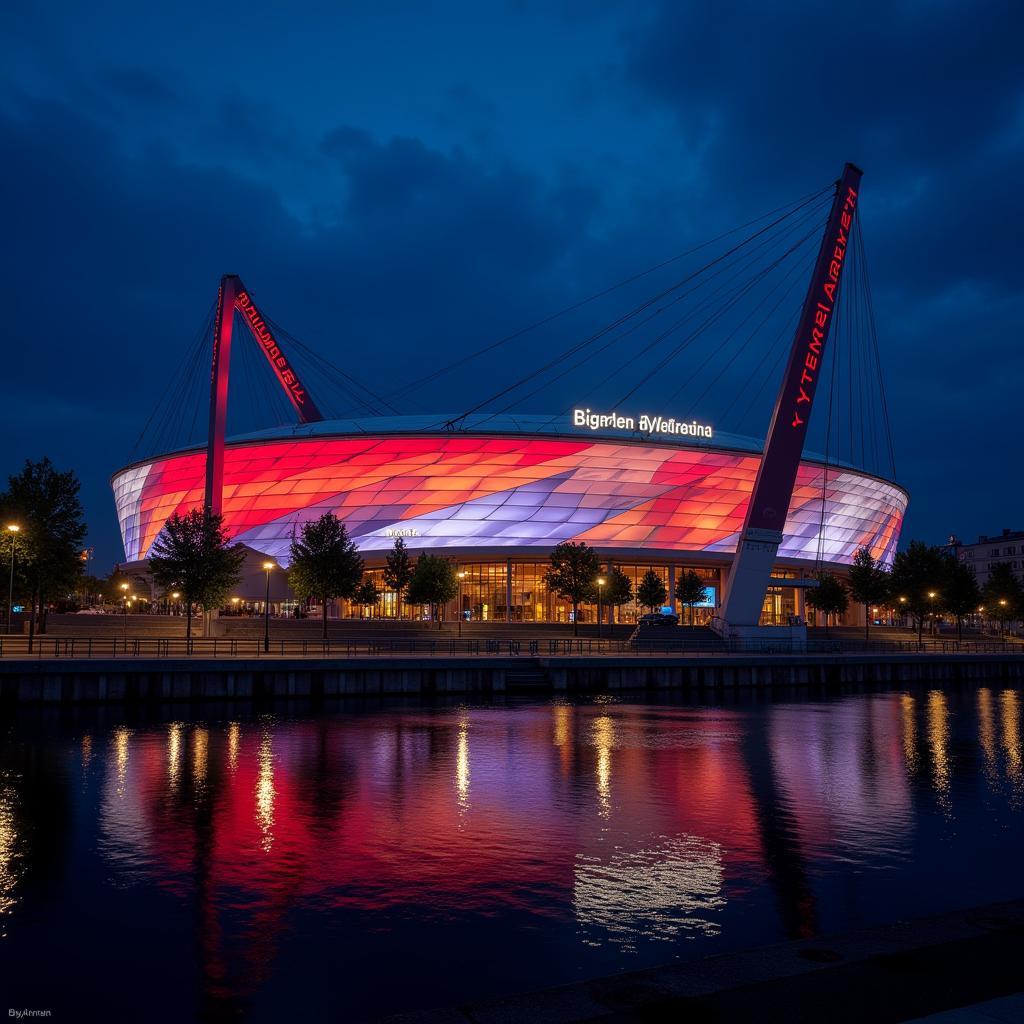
x,y
496,498
494,491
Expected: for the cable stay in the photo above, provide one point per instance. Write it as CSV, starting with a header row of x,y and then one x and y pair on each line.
x,y
633,312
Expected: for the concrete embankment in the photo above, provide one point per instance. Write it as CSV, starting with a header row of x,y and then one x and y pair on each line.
x,y
141,679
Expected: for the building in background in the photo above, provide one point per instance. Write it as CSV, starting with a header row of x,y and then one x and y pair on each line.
x,y
988,551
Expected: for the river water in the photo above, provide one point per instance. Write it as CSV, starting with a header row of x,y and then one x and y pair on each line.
x,y
357,860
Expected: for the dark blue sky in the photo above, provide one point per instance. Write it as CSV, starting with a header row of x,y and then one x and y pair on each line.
x,y
401,186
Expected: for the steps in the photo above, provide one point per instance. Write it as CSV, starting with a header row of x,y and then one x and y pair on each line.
x,y
528,681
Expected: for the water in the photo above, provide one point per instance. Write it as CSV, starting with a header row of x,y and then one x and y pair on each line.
x,y
362,860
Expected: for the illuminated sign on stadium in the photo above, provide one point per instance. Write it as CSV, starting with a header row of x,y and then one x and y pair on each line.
x,y
643,424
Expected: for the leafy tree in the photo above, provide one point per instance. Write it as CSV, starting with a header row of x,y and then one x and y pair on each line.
x,y
652,592
325,562
961,594
690,589
869,583
433,583
618,589
574,567
829,597
1002,594
44,503
192,555
366,594
916,573
398,571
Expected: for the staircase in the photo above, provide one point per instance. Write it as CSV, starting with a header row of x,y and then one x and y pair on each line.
x,y
528,680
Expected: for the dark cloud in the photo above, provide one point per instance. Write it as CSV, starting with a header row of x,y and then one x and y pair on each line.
x,y
397,214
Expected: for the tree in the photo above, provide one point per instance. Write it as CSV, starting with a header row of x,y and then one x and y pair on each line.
x,y
691,589
192,555
961,594
398,572
571,575
44,503
869,582
325,562
652,592
366,595
1002,594
829,597
618,589
433,583
917,574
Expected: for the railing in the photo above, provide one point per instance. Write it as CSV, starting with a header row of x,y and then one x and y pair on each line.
x,y
45,647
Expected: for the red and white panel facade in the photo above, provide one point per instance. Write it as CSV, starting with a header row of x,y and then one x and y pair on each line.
x,y
479,495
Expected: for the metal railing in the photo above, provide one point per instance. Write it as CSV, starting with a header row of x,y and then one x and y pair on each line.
x,y
45,647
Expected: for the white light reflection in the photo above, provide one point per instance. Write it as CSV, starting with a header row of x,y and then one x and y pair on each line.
x,y
200,758
9,858
909,732
938,739
462,764
173,756
987,733
234,734
265,791
1009,717
661,893
604,740
122,736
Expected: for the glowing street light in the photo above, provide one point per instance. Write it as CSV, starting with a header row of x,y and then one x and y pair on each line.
x,y
13,529
600,590
461,575
268,568
124,608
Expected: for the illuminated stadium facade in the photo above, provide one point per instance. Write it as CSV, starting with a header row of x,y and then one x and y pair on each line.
x,y
497,495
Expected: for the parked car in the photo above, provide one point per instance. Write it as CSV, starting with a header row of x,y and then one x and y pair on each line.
x,y
659,619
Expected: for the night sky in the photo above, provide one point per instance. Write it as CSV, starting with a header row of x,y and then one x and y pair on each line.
x,y
402,186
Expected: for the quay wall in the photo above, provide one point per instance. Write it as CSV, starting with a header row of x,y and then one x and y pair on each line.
x,y
167,679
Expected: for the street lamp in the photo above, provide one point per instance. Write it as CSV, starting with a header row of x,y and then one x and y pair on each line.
x,y
124,607
600,591
268,566
1002,604
461,576
12,529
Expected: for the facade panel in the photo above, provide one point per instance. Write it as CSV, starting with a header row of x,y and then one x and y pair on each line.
x,y
488,493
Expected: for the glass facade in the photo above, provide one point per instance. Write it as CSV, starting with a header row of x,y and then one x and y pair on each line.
x,y
484,595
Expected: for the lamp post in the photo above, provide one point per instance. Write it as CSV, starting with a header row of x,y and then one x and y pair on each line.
x,y
268,566
124,608
1002,604
461,575
12,529
175,595
931,608
600,591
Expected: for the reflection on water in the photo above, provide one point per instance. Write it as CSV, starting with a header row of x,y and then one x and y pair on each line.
x,y
938,741
659,893
604,740
265,791
529,844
